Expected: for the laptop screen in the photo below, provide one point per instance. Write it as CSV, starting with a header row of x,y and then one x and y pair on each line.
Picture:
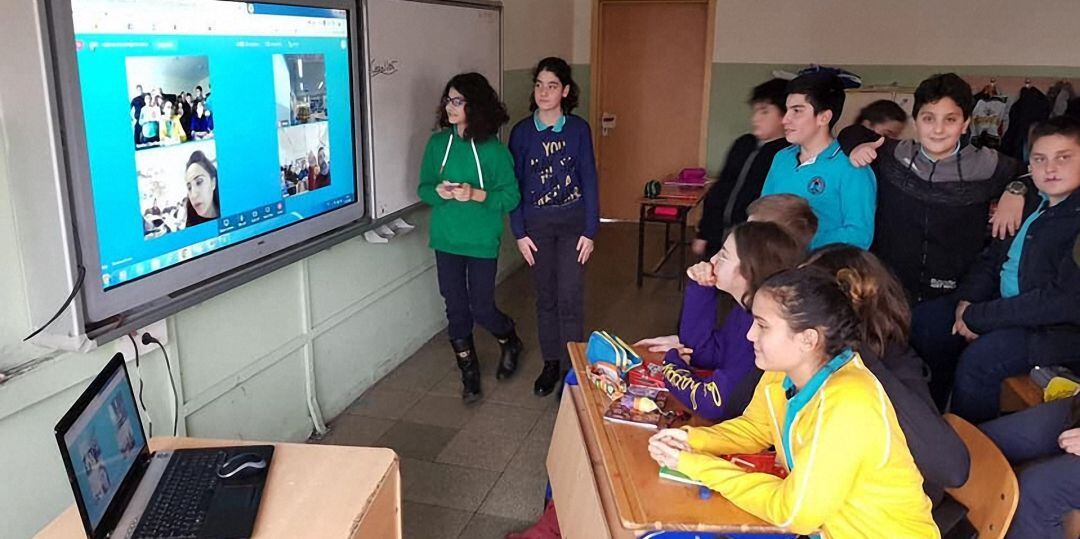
x,y
103,444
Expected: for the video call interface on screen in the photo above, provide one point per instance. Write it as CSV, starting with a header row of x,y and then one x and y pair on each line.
x,y
103,444
209,122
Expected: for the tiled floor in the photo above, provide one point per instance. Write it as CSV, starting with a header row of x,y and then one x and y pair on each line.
x,y
478,471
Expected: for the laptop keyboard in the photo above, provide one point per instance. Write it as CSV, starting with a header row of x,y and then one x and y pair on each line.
x,y
178,507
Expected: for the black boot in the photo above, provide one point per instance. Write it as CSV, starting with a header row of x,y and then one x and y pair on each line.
x,y
470,368
548,379
511,347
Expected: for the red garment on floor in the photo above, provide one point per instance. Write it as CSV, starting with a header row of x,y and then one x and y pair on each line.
x,y
545,528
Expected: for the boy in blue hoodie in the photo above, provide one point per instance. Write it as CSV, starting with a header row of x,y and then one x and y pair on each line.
x,y
843,197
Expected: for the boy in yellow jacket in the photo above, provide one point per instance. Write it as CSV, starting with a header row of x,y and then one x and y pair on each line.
x,y
850,471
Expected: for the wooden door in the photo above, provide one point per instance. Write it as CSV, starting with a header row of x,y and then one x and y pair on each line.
x,y
651,94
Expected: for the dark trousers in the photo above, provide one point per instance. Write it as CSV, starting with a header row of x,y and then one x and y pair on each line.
x,y
1049,477
971,372
467,284
558,277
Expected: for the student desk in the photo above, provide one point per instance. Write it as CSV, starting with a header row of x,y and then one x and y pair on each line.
x,y
682,200
605,484
312,491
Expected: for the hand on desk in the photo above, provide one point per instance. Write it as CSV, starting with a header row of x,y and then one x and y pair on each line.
x,y
660,344
665,446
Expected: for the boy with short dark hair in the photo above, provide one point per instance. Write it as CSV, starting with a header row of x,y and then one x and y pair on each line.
x,y
843,197
1018,306
934,192
745,167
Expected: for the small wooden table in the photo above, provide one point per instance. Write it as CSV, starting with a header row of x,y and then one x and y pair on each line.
x,y
605,484
311,491
682,200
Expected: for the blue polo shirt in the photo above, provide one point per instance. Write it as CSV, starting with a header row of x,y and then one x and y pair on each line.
x,y
1010,270
843,197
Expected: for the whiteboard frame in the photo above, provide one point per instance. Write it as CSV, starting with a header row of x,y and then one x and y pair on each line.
x,y
373,198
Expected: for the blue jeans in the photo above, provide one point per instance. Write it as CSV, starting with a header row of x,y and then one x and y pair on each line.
x,y
559,279
974,371
467,284
1049,477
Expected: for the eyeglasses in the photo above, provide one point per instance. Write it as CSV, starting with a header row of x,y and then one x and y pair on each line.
x,y
457,102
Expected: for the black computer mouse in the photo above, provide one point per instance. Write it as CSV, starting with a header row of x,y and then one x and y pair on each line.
x,y
241,465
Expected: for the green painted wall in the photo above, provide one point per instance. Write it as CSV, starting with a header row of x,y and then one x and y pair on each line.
x,y
731,84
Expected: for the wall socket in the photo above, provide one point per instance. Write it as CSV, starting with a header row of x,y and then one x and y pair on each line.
x,y
158,329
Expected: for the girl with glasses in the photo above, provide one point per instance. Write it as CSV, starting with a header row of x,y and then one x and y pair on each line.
x,y
467,177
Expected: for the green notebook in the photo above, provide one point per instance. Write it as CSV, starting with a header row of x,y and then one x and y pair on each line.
x,y
679,477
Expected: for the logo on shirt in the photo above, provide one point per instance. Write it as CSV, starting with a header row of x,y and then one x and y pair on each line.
x,y
816,185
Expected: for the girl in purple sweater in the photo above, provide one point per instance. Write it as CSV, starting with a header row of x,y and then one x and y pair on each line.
x,y
752,252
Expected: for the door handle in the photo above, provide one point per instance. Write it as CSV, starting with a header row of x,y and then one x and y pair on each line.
x,y
607,123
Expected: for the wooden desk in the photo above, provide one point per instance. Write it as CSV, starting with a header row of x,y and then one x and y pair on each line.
x,y
623,495
311,491
683,200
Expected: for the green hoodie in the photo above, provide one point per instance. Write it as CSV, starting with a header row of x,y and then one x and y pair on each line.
x,y
468,228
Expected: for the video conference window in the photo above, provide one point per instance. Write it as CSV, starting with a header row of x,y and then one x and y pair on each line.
x,y
178,187
303,122
300,83
210,122
170,101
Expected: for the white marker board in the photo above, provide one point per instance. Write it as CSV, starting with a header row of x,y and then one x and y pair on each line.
x,y
415,47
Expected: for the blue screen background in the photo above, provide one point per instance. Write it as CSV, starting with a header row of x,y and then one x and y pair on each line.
x,y
245,134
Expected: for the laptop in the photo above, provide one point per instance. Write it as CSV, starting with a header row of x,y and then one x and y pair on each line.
x,y
124,490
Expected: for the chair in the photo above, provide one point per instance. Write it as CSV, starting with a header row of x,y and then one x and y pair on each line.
x,y
991,491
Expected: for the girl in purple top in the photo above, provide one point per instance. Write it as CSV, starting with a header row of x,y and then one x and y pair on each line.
x,y
752,252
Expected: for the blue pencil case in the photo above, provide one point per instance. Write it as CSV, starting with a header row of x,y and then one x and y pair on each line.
x,y
606,347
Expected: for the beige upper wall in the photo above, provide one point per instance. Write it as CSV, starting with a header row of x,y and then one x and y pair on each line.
x,y
535,29
912,32
582,32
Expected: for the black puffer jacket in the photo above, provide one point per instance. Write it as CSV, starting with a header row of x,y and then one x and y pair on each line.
x,y
932,216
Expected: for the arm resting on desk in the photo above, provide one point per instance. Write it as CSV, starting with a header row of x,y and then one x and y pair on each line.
x,y
826,470
751,432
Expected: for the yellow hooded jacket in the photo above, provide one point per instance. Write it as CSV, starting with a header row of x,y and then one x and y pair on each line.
x,y
850,471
